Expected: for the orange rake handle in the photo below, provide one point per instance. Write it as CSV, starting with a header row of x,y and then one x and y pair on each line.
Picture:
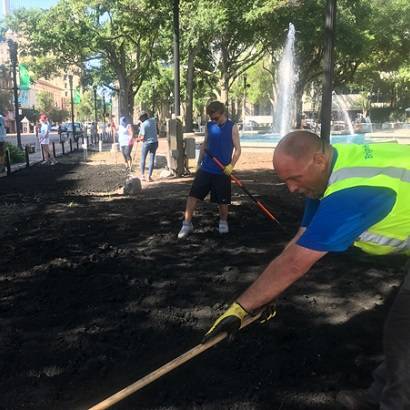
x,y
238,182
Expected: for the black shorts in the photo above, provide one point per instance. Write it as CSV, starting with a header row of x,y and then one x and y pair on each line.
x,y
218,185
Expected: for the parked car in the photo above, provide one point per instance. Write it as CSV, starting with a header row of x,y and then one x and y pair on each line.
x,y
66,131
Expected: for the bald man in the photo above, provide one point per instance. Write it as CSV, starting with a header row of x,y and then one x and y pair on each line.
x,y
356,195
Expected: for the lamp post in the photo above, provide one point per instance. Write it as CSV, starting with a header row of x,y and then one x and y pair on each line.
x,y
326,112
95,105
176,59
104,107
245,85
70,80
13,58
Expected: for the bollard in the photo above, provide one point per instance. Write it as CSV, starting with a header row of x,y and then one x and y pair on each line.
x,y
71,145
78,147
8,162
62,147
26,154
100,146
54,149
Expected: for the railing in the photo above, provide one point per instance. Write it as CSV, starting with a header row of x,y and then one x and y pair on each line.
x,y
27,154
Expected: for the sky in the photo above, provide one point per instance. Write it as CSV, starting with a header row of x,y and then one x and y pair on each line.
x,y
28,4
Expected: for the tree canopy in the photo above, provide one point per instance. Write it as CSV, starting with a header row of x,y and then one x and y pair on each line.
x,y
126,46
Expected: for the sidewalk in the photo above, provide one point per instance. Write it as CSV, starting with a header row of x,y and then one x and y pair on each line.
x,y
36,157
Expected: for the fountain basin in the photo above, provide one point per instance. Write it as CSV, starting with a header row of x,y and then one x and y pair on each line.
x,y
271,139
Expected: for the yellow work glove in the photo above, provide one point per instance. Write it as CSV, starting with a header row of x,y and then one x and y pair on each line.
x,y
229,322
228,169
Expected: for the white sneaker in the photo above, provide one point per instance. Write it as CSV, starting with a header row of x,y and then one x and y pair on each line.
x,y
223,227
186,229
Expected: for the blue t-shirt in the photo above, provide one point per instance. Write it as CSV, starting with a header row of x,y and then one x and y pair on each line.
x,y
219,144
335,222
148,130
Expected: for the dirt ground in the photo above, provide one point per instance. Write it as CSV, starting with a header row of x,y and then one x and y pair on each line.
x,y
96,291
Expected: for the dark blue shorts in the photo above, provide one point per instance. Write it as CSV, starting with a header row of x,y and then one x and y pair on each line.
x,y
126,152
218,185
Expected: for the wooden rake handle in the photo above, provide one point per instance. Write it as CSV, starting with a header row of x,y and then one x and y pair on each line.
x,y
166,368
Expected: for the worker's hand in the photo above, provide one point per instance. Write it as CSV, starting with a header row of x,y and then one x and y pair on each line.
x,y
229,322
228,169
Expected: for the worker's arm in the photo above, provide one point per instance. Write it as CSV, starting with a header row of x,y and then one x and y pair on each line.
x,y
284,270
130,131
299,233
228,168
203,147
236,145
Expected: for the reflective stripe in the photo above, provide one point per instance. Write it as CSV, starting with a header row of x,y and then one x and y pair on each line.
x,y
377,239
367,172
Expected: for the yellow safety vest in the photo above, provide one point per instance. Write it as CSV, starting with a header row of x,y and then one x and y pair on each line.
x,y
377,165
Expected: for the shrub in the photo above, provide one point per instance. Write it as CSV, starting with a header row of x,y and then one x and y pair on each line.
x,y
16,154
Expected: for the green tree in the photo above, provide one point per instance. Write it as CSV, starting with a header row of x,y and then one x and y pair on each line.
x,y
58,115
45,102
74,32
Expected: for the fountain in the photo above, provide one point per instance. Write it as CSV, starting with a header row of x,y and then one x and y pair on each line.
x,y
285,106
341,104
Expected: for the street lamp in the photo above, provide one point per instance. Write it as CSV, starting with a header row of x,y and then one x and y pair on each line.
x,y
245,85
104,108
177,102
13,58
70,80
95,105
329,63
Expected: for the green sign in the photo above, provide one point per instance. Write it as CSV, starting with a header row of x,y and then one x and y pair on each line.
x,y
77,96
24,77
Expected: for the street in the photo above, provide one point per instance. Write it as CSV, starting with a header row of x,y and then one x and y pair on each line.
x,y
30,138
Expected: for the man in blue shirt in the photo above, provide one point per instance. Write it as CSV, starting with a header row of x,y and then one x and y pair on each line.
x,y
369,202
221,141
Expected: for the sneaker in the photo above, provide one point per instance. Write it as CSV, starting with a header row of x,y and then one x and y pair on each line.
x,y
355,400
223,227
150,179
142,177
186,229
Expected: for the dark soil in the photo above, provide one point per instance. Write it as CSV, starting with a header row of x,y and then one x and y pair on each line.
x,y
96,291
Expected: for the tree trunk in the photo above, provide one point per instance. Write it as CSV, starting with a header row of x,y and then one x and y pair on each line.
x,y
223,95
124,96
224,80
190,90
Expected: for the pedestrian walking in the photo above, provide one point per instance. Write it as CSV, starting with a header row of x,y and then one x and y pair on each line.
x,y
148,134
356,195
44,139
222,142
125,135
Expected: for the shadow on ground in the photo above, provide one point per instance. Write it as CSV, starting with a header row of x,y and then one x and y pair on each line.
x,y
96,291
